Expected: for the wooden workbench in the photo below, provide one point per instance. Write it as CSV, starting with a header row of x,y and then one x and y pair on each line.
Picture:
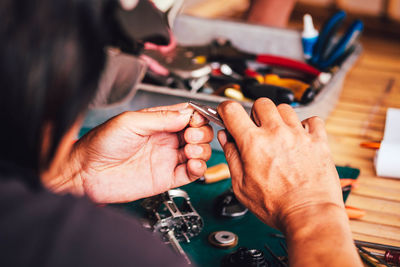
x,y
370,88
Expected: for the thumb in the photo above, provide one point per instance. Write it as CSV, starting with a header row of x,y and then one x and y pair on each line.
x,y
147,123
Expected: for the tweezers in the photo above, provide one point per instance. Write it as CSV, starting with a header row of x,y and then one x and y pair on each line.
x,y
208,112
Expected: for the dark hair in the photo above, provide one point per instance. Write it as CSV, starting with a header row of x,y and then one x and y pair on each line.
x,y
51,57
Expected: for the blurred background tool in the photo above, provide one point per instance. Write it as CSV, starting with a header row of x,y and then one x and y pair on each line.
x,y
373,256
328,30
376,245
199,68
389,257
277,94
222,51
236,94
372,145
367,260
328,51
309,36
354,213
302,91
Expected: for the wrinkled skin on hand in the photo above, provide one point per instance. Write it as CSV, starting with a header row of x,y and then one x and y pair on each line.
x,y
279,165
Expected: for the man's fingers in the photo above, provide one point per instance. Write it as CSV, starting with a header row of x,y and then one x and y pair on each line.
x,y
266,112
198,120
182,156
315,127
254,117
191,151
235,118
201,135
289,116
147,123
196,168
200,151
232,157
175,107
222,138
188,172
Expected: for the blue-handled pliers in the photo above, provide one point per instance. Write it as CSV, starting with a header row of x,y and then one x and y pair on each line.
x,y
326,53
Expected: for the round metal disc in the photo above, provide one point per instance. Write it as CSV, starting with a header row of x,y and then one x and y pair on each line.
x,y
223,239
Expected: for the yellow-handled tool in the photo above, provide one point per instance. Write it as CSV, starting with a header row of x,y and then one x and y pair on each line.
x,y
302,91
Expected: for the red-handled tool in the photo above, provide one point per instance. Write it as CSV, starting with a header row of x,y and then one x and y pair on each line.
x,y
288,63
223,51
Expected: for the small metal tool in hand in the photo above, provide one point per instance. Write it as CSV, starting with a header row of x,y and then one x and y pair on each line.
x,y
208,112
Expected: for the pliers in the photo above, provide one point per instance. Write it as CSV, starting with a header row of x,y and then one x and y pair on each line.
x,y
327,52
221,50
208,112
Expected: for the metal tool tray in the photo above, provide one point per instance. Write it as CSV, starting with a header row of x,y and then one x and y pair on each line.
x,y
251,38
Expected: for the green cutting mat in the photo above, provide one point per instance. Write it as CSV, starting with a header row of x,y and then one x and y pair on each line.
x,y
252,232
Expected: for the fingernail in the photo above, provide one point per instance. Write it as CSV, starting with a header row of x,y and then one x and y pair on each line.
x,y
197,135
195,118
222,137
197,150
196,164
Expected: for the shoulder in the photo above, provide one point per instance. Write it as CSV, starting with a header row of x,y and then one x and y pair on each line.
x,y
43,229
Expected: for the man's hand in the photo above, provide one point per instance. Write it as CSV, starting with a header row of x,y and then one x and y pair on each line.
x,y
276,156
143,153
283,172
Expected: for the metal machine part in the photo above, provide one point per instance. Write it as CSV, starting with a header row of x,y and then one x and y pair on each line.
x,y
180,63
172,215
209,112
223,239
245,257
227,205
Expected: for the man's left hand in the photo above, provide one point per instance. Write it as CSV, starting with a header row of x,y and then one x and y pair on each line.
x,y
143,153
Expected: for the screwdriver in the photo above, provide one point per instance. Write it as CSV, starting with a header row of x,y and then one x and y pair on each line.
x,y
392,252
302,91
376,245
252,89
390,257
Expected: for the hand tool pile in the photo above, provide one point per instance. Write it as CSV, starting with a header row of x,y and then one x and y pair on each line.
x,y
220,68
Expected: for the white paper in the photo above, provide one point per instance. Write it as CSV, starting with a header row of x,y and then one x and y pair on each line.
x,y
387,161
392,126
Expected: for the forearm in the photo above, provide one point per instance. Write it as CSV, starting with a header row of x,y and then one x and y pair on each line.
x,y
320,236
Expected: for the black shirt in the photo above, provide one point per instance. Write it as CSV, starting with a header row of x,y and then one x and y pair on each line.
x,y
38,228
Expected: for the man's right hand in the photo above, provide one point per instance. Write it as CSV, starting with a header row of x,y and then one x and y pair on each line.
x,y
283,172
278,165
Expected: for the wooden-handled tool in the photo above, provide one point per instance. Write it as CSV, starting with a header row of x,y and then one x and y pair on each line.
x,y
216,173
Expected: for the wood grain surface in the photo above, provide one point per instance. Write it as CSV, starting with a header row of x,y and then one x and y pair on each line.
x,y
370,88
